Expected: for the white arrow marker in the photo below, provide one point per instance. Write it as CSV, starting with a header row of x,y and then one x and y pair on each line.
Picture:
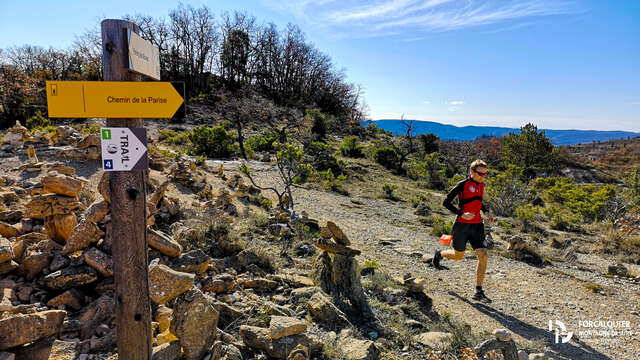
x,y
124,149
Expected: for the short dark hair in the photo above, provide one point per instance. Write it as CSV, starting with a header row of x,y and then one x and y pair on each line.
x,y
476,164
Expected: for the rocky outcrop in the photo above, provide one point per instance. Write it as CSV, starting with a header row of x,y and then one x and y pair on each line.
x,y
166,284
195,322
21,329
82,235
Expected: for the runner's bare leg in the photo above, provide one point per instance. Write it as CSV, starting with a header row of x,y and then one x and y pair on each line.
x,y
481,267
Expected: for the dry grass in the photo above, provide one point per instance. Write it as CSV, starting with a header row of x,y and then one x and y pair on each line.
x,y
624,246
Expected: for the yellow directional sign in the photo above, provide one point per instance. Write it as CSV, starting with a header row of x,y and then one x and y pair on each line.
x,y
112,99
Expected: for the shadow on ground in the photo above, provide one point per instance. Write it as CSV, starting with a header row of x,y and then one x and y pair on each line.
x,y
579,351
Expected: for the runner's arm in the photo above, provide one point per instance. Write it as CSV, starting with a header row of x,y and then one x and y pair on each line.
x,y
451,195
484,208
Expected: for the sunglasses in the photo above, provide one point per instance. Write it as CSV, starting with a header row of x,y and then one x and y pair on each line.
x,y
480,173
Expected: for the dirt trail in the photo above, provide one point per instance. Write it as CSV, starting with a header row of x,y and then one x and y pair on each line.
x,y
525,298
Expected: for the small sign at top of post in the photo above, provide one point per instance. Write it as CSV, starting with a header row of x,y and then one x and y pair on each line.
x,y
144,58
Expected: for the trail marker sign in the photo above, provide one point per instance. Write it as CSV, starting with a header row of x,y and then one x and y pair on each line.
x,y
124,149
144,58
112,99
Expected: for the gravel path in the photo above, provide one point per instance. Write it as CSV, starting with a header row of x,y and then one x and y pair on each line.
x,y
525,298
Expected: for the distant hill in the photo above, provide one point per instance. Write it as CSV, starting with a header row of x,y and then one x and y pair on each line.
x,y
451,132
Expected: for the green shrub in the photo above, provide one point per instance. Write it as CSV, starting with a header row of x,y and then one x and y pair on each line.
x,y
562,219
319,121
388,190
172,137
430,170
506,191
527,213
330,182
37,121
440,226
456,178
370,264
90,129
351,148
373,130
261,142
225,124
213,142
305,172
388,157
201,98
588,201
323,157
420,199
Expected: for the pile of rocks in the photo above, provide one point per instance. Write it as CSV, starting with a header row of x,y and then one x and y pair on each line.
x,y
337,273
66,142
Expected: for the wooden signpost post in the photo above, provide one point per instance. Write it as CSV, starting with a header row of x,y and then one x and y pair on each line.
x,y
128,216
124,100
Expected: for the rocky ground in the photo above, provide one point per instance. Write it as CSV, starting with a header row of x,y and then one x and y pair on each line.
x,y
348,278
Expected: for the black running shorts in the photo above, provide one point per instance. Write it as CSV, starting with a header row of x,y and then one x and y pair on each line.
x,y
473,233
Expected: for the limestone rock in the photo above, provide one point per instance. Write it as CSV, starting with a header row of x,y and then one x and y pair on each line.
x,y
335,248
166,351
281,326
99,261
195,322
42,206
222,351
97,211
324,311
61,184
219,284
37,257
8,230
59,227
11,216
7,267
300,352
23,242
355,349
103,187
98,312
89,140
21,329
433,339
259,284
70,277
502,334
72,298
164,315
6,296
63,350
7,356
6,250
163,243
338,235
81,236
166,284
193,261
259,339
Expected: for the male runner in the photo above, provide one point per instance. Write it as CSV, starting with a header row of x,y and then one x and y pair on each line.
x,y
468,225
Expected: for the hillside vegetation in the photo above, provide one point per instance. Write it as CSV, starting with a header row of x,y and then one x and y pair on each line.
x,y
279,228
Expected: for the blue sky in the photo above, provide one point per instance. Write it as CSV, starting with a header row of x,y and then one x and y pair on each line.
x,y
557,63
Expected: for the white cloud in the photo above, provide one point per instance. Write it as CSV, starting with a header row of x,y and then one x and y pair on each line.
x,y
383,17
456,102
